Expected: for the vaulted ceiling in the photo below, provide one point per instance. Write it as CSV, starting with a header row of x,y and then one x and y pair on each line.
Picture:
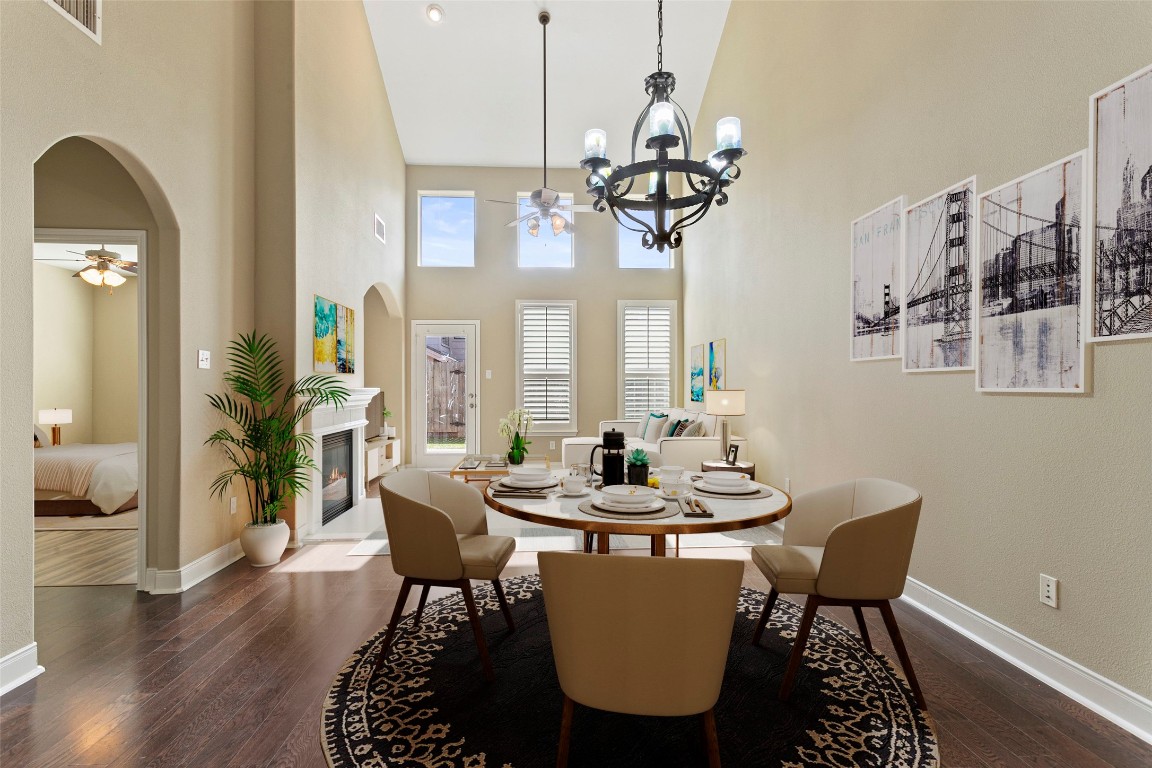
x,y
468,91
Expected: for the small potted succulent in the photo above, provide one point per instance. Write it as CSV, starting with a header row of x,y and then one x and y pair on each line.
x,y
637,462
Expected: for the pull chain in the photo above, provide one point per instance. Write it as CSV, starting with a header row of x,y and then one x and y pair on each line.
x,y
660,36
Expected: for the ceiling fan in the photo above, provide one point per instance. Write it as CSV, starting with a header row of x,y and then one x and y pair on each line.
x,y
545,204
99,271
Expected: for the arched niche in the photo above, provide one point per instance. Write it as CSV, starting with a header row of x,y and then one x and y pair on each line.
x,y
384,355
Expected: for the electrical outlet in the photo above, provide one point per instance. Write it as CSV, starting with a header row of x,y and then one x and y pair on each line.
x,y
232,505
204,359
1049,591
551,445
787,485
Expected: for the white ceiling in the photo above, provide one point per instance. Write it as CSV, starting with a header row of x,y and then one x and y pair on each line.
x,y
467,91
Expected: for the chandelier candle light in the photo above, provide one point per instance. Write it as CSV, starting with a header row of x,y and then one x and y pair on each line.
x,y
665,122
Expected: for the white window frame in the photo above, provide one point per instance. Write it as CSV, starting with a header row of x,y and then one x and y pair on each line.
x,y
423,193
548,427
622,231
522,232
621,373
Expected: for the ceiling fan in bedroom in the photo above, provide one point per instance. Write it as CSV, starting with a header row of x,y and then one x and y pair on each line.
x,y
102,269
545,205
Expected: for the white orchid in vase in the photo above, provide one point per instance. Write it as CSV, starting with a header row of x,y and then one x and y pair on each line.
x,y
514,429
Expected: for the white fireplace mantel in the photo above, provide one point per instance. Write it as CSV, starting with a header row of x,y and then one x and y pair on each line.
x,y
326,420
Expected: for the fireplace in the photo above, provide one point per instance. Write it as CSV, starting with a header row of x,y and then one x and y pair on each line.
x,y
337,472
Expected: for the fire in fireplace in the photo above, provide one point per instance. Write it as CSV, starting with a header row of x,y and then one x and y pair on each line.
x,y
336,472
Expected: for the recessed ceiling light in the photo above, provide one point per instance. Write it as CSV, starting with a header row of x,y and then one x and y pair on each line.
x,y
435,13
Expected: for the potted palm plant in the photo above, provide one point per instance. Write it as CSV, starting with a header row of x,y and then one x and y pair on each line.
x,y
261,442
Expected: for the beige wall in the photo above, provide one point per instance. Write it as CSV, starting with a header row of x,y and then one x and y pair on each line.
x,y
62,349
844,107
182,125
349,168
85,355
488,291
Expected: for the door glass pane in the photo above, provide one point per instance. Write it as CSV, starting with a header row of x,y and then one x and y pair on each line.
x,y
444,390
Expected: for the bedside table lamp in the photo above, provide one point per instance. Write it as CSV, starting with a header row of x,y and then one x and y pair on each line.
x,y
724,403
56,417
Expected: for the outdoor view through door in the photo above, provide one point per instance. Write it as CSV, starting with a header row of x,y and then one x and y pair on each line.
x,y
445,399
445,387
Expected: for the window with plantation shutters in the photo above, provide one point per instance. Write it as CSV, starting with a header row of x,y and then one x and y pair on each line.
x,y
546,351
647,333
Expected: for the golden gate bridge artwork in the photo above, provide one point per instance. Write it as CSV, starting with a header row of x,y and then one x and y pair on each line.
x,y
1122,245
1029,282
937,301
876,240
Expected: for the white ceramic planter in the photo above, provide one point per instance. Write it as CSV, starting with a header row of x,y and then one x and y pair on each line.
x,y
264,544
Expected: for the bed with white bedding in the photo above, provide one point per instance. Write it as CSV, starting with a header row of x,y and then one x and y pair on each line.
x,y
86,479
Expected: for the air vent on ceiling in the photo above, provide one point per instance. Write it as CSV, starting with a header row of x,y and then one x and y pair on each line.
x,y
85,14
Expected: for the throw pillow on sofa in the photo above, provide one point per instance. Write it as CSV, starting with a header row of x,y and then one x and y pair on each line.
x,y
655,427
673,425
695,429
682,427
642,427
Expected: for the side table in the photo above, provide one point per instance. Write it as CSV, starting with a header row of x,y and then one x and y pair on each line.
x,y
720,465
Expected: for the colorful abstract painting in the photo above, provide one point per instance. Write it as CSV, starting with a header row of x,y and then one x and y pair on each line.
x,y
716,354
334,337
696,374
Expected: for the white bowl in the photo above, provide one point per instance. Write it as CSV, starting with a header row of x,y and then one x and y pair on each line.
x,y
529,472
629,494
719,478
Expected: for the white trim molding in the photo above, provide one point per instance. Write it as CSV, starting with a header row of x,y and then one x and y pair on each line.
x,y
172,582
1125,708
18,668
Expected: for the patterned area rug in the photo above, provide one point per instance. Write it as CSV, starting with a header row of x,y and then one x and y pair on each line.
x,y
431,706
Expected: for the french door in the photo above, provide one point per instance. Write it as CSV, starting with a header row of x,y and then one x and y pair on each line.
x,y
445,400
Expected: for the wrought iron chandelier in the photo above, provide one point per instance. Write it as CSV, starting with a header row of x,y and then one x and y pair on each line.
x,y
703,182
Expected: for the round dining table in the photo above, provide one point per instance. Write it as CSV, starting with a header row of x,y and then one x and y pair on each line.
x,y
562,511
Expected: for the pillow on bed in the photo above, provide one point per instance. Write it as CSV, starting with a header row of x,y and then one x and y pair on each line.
x,y
39,438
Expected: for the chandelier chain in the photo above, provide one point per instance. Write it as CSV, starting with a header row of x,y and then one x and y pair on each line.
x,y
660,36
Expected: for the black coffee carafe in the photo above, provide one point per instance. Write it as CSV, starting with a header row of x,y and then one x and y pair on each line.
x,y
612,456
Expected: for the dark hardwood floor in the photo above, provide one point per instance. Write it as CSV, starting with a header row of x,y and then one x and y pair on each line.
x,y
233,673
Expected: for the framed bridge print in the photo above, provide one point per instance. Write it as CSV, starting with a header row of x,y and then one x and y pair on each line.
x,y
936,304
876,250
1120,155
1029,280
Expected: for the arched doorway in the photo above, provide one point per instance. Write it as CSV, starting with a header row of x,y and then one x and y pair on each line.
x,y
86,188
384,367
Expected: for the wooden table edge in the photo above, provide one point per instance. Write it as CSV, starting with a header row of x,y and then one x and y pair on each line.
x,y
655,528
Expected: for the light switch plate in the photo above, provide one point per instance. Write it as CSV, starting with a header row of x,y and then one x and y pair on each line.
x,y
487,374
204,360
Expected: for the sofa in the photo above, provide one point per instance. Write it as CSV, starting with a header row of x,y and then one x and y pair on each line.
x,y
685,452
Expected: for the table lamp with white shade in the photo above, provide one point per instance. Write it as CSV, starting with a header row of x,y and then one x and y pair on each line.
x,y
724,403
56,417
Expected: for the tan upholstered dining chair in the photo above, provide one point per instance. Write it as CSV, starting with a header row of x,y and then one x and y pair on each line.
x,y
844,545
438,537
640,635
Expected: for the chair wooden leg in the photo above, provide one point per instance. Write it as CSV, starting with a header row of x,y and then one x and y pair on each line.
x,y
902,652
863,627
659,546
769,604
402,598
565,733
710,739
602,540
477,630
504,604
797,656
420,605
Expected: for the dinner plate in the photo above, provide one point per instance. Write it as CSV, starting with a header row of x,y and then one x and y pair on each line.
x,y
576,495
730,490
654,505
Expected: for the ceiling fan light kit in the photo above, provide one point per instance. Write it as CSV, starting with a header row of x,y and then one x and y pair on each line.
x,y
664,122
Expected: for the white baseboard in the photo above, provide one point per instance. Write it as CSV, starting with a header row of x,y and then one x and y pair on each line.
x,y
159,582
18,668
1127,709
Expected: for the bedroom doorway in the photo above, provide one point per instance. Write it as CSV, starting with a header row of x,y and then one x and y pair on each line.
x,y
89,394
